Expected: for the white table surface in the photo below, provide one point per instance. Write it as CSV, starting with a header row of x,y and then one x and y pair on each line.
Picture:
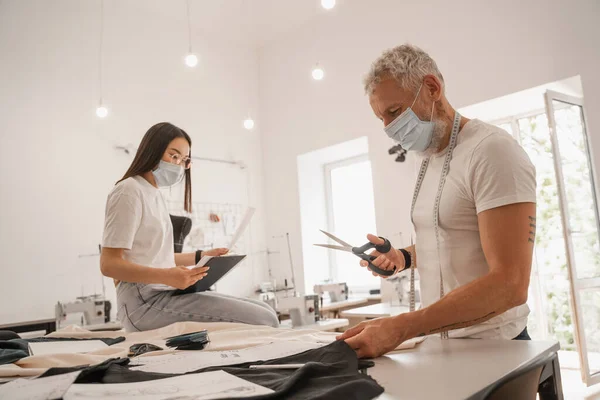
x,y
375,311
330,306
322,325
454,368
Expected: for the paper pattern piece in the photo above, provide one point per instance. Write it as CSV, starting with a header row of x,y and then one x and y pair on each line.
x,y
186,361
410,344
204,386
203,261
66,347
242,227
50,388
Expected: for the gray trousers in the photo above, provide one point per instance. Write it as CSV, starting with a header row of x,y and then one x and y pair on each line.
x,y
141,308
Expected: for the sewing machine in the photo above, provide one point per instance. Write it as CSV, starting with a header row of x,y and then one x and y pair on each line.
x,y
303,310
269,298
337,291
269,293
93,310
401,285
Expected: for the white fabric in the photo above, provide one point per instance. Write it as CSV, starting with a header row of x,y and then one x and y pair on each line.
x,y
488,169
138,221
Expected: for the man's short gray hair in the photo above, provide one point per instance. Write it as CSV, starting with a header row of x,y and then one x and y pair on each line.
x,y
406,63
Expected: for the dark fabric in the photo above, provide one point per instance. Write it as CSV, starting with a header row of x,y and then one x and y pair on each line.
x,y
107,341
192,346
181,228
142,348
524,335
88,374
330,372
15,349
189,341
8,335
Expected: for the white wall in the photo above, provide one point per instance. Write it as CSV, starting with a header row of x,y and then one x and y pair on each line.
x,y
525,101
313,206
484,50
58,162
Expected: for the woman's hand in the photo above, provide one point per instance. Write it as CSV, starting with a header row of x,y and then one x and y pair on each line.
x,y
215,252
387,261
181,277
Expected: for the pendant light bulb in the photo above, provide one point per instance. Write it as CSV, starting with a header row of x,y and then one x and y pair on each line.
x,y
249,123
328,4
191,60
318,73
101,111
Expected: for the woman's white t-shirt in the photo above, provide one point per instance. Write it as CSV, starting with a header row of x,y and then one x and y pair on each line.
x,y
138,221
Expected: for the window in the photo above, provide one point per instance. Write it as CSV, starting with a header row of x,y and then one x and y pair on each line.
x,y
317,202
548,300
564,290
566,264
350,215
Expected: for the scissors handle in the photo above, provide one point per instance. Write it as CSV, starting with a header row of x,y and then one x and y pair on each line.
x,y
382,248
374,268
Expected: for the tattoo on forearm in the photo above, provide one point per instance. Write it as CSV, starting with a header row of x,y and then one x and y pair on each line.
x,y
458,325
532,229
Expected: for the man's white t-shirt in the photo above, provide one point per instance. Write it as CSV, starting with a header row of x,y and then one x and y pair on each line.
x,y
488,169
138,221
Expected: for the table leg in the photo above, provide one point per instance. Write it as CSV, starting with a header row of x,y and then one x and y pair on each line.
x,y
550,382
50,327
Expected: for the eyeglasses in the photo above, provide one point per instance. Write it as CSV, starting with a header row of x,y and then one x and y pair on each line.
x,y
178,159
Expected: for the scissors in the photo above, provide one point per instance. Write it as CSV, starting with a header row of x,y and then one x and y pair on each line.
x,y
360,252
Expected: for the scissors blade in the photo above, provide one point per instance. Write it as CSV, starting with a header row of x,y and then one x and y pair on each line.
x,y
334,247
340,241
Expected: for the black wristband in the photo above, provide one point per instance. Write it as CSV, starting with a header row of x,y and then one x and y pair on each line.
x,y
198,255
407,258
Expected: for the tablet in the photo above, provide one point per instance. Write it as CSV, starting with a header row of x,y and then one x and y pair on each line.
x,y
219,267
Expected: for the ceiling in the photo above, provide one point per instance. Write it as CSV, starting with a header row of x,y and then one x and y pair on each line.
x,y
245,22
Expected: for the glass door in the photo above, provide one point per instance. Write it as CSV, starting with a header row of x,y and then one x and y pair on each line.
x,y
578,203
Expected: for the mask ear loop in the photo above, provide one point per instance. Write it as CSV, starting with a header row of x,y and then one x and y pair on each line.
x,y
417,96
415,100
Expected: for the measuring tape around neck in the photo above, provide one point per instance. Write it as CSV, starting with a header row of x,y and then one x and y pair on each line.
x,y
436,209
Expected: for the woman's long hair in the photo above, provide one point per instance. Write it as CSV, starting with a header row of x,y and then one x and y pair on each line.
x,y
150,152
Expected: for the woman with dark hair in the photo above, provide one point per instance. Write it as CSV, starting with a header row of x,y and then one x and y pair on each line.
x,y
138,251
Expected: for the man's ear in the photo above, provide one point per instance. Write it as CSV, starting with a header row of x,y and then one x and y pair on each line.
x,y
433,86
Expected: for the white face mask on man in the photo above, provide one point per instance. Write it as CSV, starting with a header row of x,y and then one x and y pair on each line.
x,y
168,174
409,131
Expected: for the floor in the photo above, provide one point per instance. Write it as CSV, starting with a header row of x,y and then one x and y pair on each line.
x,y
573,388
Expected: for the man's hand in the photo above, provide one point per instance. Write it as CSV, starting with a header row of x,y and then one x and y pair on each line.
x,y
376,337
181,277
215,252
387,261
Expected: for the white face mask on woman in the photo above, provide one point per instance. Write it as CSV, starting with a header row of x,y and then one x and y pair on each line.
x,y
168,174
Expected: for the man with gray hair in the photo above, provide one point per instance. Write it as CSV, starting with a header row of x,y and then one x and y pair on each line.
x,y
473,212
